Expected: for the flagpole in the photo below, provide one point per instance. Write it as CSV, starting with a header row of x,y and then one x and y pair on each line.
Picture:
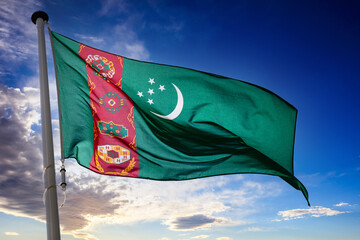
x,y
51,204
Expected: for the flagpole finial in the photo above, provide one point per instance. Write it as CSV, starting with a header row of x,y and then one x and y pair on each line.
x,y
39,14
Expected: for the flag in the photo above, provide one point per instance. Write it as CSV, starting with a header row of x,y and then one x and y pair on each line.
x,y
131,118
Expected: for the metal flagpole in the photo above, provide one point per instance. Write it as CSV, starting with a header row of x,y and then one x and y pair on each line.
x,y
51,204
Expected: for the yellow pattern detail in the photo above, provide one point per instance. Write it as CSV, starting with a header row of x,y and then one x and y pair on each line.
x,y
93,108
95,132
124,172
98,166
133,144
119,83
91,84
81,47
130,117
121,61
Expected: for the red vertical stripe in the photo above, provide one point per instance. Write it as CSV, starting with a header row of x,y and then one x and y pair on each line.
x,y
113,116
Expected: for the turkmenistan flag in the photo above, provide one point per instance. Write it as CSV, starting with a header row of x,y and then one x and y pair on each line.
x,y
137,119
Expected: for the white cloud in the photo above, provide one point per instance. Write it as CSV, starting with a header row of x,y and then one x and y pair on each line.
x,y
201,237
113,6
127,42
91,39
186,205
11,234
21,106
121,39
18,37
343,204
312,212
223,238
256,229
137,50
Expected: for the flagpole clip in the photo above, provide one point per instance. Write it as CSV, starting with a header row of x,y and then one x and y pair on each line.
x,y
63,177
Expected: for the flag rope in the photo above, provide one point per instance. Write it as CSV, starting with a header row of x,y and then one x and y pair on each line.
x,y
48,188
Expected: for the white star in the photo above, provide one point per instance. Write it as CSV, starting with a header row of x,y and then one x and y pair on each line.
x,y
151,81
162,88
150,101
151,91
140,94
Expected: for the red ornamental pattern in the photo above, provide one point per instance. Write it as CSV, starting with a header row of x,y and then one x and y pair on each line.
x,y
107,146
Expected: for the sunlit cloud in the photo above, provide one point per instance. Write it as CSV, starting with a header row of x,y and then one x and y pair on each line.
x,y
224,238
256,229
311,212
200,237
343,204
11,234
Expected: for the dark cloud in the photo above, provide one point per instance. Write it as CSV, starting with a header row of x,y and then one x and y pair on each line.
x,y
192,222
20,160
21,170
81,202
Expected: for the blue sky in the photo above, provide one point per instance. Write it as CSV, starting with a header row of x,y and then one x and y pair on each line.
x,y
305,51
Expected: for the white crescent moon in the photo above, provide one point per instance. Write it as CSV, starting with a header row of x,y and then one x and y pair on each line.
x,y
179,106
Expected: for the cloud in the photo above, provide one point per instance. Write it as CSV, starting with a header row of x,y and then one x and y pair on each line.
x,y
127,42
166,21
200,237
110,7
223,238
11,234
122,35
316,179
91,39
193,222
256,229
312,212
18,37
119,38
20,166
343,204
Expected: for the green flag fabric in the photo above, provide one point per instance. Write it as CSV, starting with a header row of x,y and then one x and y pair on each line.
x,y
131,118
